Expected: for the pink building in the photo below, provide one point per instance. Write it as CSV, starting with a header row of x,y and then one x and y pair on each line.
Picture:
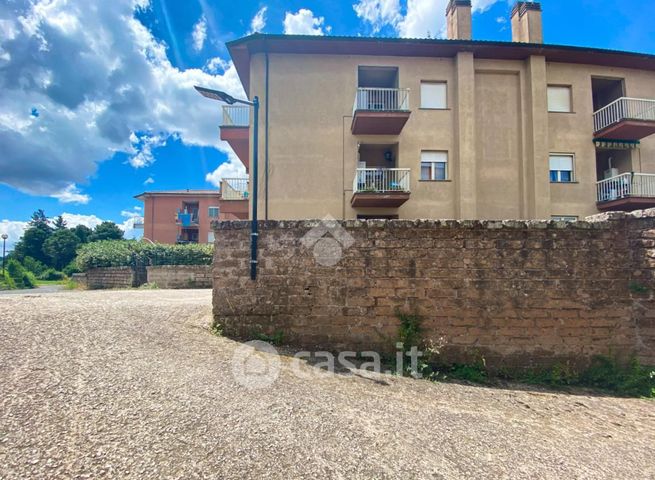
x,y
185,216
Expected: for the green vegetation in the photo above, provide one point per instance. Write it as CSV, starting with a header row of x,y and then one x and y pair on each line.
x,y
277,338
604,373
21,277
126,253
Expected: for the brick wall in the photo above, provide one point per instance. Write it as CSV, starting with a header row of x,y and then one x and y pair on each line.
x,y
181,276
110,277
519,293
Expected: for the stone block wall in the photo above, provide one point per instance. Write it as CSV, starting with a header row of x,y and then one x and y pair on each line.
x,y
181,276
518,293
110,277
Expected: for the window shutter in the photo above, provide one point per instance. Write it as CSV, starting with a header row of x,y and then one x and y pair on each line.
x,y
559,99
434,157
433,95
561,162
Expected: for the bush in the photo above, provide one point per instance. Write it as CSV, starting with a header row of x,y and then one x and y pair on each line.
x,y
21,277
34,266
123,253
6,282
70,269
51,275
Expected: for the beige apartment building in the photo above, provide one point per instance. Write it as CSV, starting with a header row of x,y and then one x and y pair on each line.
x,y
455,128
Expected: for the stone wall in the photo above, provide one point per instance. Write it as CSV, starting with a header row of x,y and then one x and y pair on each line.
x,y
110,277
518,293
181,276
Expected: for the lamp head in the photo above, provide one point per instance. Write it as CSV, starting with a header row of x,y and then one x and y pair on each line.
x,y
5,236
216,95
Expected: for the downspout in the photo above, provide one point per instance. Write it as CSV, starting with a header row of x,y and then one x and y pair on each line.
x,y
266,152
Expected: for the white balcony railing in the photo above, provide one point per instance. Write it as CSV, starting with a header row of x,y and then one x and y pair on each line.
x,y
626,185
382,99
381,180
624,109
234,189
236,116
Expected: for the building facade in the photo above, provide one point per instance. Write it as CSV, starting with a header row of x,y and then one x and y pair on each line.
x,y
456,128
185,216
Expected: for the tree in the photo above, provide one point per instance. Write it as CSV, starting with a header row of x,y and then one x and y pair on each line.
x,y
106,231
59,223
60,247
31,243
83,233
39,219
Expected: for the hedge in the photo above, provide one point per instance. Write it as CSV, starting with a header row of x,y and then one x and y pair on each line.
x,y
123,253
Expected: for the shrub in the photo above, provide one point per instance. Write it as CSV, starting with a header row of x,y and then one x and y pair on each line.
x,y
51,274
6,282
122,253
70,269
34,266
21,277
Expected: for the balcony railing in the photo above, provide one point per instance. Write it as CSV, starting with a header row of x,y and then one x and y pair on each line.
x,y
624,109
381,180
187,219
234,189
626,185
236,116
382,99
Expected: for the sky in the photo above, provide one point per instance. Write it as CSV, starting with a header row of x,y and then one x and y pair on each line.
x,y
97,102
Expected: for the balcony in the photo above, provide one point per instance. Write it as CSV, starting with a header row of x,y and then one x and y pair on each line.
x,y
380,111
625,119
235,130
380,187
234,189
626,192
186,219
139,223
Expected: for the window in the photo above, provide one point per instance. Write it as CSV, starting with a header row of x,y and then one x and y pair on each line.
x,y
434,165
561,168
214,212
565,218
559,99
210,237
434,95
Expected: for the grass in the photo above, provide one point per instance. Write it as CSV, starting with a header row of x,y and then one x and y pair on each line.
x,y
43,283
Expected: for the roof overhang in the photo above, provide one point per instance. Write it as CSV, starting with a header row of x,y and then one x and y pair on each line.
x,y
242,49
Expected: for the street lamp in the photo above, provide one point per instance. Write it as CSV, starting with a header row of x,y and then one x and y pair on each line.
x,y
230,100
4,244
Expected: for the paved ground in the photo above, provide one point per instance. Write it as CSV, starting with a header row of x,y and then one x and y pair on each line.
x,y
39,290
130,384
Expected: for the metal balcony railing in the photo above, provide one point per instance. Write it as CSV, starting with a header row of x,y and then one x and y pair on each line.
x,y
624,109
381,180
234,189
382,99
626,185
236,116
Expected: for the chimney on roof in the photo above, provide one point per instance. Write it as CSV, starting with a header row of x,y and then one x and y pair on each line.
x,y
458,19
526,23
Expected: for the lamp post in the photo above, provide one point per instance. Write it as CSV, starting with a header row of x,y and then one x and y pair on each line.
x,y
4,244
230,100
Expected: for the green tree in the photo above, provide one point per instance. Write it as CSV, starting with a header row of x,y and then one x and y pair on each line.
x,y
106,231
31,243
59,223
83,233
60,248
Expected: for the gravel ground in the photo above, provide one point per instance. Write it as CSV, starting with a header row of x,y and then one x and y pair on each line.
x,y
131,384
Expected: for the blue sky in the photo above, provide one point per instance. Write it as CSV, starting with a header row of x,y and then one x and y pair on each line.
x,y
97,104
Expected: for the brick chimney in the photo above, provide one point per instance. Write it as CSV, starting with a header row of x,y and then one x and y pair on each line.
x,y
458,19
526,23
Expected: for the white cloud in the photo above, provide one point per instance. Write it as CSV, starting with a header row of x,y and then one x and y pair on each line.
x,y
72,194
379,12
258,22
74,219
423,18
93,87
303,22
232,168
14,229
143,146
217,64
199,34
149,181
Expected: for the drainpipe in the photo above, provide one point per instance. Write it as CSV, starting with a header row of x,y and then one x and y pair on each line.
x,y
266,152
